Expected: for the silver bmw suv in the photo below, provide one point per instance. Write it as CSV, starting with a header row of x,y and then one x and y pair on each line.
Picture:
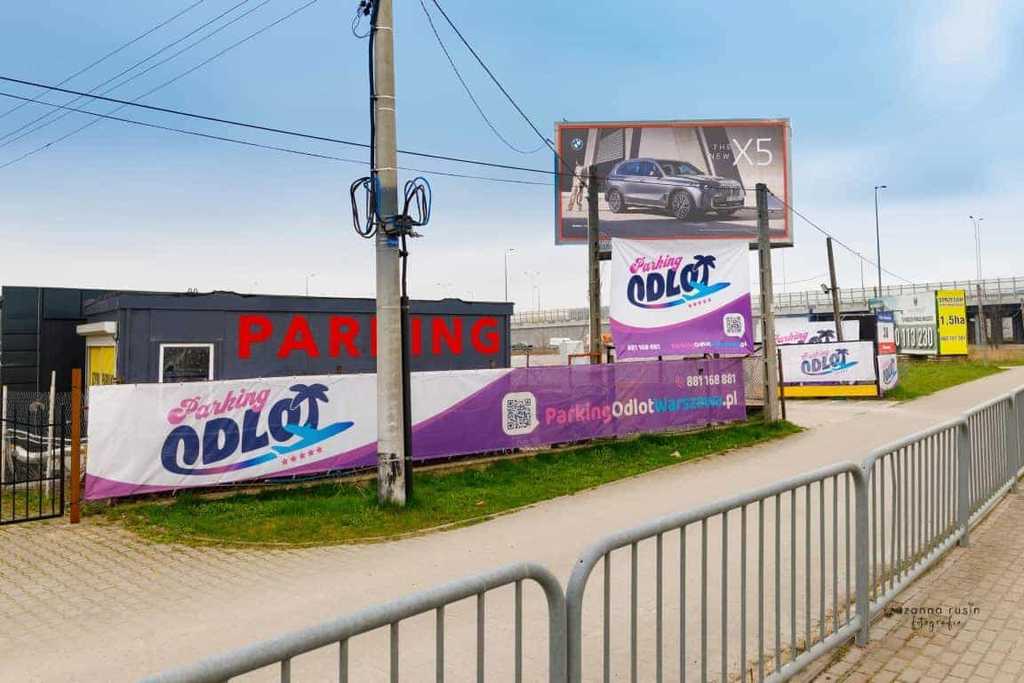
x,y
675,186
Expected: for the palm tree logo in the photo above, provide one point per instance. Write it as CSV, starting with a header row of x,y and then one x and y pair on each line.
x,y
826,335
702,264
310,394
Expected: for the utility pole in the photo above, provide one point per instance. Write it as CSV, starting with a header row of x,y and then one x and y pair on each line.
x,y
594,266
771,355
834,289
391,464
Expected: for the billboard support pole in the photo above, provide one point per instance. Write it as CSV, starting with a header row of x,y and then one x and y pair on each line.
x,y
771,356
594,266
834,290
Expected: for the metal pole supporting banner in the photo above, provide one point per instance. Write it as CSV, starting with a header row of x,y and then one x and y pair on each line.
x,y
3,435
834,290
594,267
771,358
76,445
390,447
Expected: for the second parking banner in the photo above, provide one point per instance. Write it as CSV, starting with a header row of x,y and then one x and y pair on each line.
x,y
680,298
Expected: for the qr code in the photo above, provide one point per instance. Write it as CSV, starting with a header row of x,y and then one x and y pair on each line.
x,y
519,411
733,325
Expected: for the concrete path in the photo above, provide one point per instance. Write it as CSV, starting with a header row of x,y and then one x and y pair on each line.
x,y
95,603
963,621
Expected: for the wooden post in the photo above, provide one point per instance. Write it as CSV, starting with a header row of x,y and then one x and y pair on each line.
x,y
76,445
834,290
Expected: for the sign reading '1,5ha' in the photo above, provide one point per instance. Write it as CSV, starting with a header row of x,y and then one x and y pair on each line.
x,y
680,297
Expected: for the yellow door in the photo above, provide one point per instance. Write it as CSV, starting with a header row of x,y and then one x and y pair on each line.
x,y
102,365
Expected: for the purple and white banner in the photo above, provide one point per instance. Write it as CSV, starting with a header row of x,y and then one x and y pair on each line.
x,y
888,372
679,297
156,437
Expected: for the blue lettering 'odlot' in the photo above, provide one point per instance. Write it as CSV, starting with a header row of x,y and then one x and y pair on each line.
x,y
827,364
674,286
223,438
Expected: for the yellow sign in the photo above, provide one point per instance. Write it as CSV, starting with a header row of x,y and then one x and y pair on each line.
x,y
830,390
951,306
102,365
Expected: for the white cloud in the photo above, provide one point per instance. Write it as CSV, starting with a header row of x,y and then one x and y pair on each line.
x,y
962,48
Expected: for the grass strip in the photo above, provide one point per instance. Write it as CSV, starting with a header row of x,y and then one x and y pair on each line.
x,y
341,512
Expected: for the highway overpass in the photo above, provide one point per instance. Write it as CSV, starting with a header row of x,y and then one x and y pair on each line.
x,y
1002,297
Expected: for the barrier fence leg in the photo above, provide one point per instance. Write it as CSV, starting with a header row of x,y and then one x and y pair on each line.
x,y
1013,443
963,490
860,490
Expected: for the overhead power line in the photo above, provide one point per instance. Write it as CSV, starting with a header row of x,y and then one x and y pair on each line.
x,y
201,64
113,52
469,92
503,90
276,148
835,239
272,129
9,137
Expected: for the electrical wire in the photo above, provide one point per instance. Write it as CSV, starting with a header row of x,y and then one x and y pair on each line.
x,y
113,52
836,239
505,92
272,129
276,148
201,64
469,92
806,279
9,137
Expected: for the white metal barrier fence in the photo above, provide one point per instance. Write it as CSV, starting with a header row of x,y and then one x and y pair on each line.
x,y
785,573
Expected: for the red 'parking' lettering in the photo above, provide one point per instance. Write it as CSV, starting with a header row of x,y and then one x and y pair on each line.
x,y
452,336
488,343
343,333
252,329
298,338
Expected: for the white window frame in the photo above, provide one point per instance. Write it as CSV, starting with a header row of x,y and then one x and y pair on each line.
x,y
189,345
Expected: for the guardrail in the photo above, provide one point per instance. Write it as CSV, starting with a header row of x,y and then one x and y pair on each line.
x,y
857,534
811,632
281,651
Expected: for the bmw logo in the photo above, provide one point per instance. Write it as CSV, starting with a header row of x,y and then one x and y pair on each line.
x,y
577,144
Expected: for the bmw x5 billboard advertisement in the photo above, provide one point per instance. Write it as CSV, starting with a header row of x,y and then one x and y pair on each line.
x,y
673,179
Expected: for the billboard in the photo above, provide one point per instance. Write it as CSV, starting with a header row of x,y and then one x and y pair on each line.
x,y
680,297
673,179
951,309
885,334
145,438
829,369
916,323
803,331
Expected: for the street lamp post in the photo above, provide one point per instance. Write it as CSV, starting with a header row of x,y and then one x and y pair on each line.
x,y
308,275
878,241
507,252
981,334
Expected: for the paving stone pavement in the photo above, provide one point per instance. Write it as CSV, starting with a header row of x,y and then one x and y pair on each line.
x,y
962,621
96,603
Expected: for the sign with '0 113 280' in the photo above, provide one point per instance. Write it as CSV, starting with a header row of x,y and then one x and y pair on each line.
x,y
673,179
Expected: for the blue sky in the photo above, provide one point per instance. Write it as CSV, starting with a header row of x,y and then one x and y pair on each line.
x,y
922,96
